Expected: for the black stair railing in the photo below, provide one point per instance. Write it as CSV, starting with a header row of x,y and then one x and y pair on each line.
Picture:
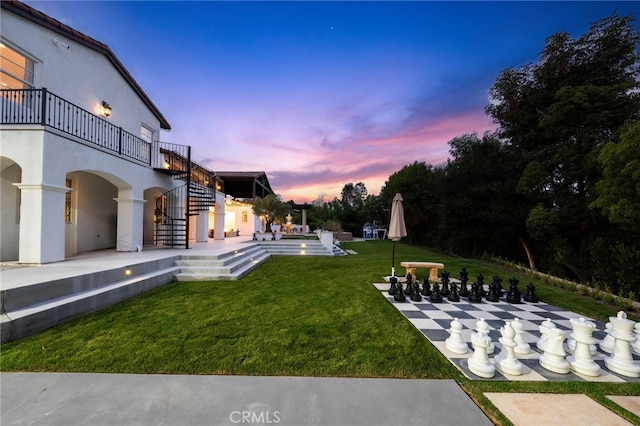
x,y
175,207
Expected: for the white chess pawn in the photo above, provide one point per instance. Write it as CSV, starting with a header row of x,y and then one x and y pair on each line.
x,y
606,344
479,363
544,328
522,347
506,360
483,328
455,343
621,361
582,360
553,357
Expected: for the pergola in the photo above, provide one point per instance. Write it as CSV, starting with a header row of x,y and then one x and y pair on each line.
x,y
247,185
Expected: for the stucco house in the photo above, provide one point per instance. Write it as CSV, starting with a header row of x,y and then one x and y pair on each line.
x,y
81,160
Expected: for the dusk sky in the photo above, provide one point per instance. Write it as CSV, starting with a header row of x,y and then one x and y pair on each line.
x,y
321,94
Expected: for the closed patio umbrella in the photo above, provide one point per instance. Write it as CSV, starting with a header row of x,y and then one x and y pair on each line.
x,y
397,228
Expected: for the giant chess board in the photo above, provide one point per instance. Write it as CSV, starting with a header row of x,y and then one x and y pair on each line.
x,y
434,321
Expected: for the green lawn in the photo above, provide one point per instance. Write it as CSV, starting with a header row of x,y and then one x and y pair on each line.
x,y
295,316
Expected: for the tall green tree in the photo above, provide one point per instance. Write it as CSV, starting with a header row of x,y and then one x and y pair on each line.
x,y
420,186
482,210
619,189
558,114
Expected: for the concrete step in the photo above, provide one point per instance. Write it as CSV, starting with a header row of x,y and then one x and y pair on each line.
x,y
233,271
295,248
62,300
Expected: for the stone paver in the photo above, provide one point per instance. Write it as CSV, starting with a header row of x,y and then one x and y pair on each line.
x,y
535,409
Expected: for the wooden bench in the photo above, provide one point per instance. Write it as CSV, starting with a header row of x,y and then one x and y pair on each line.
x,y
433,266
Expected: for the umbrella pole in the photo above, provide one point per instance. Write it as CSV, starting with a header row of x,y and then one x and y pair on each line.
x,y
393,260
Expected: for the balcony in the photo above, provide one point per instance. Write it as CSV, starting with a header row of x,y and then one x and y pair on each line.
x,y
43,108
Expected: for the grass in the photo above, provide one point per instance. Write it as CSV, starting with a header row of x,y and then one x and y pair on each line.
x,y
294,316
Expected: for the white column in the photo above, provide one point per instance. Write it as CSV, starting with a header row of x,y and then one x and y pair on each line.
x,y
130,221
202,227
41,223
304,221
218,220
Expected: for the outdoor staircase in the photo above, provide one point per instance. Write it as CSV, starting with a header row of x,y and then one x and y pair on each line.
x,y
238,263
294,247
29,309
232,265
175,207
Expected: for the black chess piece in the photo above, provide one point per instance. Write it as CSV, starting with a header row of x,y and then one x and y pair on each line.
x,y
409,288
475,296
399,296
393,289
480,277
445,283
513,295
426,288
453,294
498,284
530,296
415,295
494,292
435,297
464,278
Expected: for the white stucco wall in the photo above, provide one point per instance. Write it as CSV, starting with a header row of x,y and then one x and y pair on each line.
x,y
46,160
79,74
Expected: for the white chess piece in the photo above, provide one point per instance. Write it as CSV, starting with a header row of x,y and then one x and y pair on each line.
x,y
483,328
506,360
553,357
479,363
455,343
621,361
635,346
544,328
522,347
582,360
606,344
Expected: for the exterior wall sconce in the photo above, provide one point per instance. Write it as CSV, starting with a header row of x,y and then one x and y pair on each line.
x,y
106,109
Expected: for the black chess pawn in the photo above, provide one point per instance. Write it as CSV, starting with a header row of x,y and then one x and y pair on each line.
x,y
393,289
426,288
497,281
399,296
409,289
435,297
513,295
453,294
464,278
494,292
475,296
415,295
530,296
445,283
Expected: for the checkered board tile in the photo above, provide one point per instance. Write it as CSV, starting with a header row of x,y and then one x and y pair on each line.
x,y
434,321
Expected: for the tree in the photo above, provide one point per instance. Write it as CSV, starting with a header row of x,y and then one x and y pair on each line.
x,y
619,189
420,187
270,208
482,211
557,115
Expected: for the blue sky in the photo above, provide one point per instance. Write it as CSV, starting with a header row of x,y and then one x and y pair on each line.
x,y
320,94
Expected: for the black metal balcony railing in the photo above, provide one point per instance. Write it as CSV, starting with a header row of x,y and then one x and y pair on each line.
x,y
41,107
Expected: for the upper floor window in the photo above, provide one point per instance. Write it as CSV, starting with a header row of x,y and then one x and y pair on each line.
x,y
146,134
16,70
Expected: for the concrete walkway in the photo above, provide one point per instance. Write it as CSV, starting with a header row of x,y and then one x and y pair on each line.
x,y
118,399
